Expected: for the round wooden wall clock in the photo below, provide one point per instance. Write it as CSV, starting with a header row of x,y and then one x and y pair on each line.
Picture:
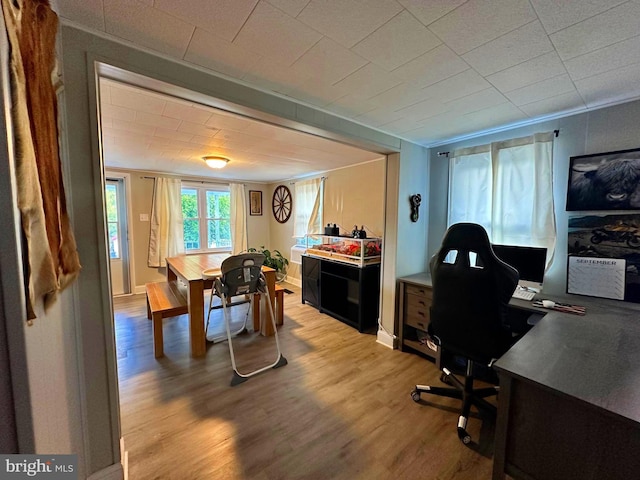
x,y
281,203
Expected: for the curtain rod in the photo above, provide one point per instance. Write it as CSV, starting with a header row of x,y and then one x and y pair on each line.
x,y
446,154
197,181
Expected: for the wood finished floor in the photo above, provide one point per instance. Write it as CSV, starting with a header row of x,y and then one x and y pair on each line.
x,y
340,409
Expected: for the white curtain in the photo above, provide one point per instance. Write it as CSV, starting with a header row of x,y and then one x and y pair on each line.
x,y
239,242
507,188
167,230
307,207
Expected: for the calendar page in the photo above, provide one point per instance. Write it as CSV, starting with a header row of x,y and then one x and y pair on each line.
x,y
597,277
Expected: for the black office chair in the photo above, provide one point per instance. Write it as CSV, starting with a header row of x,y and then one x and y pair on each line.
x,y
242,275
471,292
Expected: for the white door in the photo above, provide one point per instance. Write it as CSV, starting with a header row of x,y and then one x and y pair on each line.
x,y
117,233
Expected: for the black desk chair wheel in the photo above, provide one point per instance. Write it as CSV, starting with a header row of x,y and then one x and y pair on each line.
x,y
471,291
242,275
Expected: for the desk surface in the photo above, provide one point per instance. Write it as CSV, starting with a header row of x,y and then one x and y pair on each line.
x,y
594,358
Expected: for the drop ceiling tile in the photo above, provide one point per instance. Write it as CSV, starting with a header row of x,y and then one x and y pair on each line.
x,y
126,97
222,121
197,129
457,86
480,21
153,120
429,12
119,113
122,127
208,141
348,22
614,25
221,17
497,115
85,12
186,111
271,75
556,15
432,67
328,62
147,26
541,90
425,109
209,51
270,32
379,116
290,7
517,46
474,102
526,73
173,134
316,92
610,87
565,102
399,97
351,105
368,81
612,57
398,41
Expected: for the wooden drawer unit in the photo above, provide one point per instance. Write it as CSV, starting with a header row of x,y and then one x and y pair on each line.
x,y
414,304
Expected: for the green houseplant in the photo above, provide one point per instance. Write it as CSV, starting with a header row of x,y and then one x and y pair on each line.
x,y
274,260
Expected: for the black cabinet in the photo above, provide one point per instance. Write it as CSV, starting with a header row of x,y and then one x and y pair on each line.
x,y
311,280
348,293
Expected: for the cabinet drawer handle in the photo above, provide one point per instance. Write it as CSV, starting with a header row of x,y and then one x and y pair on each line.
x,y
421,324
421,314
421,302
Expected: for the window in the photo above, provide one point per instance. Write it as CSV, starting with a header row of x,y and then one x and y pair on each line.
x,y
307,208
507,188
111,196
206,211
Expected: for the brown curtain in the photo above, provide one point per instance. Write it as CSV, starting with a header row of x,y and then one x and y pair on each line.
x,y
52,260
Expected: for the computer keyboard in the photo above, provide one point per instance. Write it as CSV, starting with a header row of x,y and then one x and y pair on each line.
x,y
523,294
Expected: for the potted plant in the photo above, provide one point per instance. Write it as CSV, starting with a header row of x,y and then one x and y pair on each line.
x,y
274,260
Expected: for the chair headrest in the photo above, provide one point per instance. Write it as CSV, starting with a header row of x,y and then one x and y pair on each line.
x,y
242,260
466,236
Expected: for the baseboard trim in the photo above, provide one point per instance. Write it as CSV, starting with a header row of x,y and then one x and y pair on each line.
x,y
112,472
140,289
383,338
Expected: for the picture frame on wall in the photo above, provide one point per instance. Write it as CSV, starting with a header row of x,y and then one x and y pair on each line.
x,y
255,202
604,181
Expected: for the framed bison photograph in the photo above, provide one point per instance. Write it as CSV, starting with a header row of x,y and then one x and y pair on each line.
x,y
605,181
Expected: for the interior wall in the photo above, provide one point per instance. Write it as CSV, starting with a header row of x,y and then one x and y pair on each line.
x,y
80,52
352,195
604,130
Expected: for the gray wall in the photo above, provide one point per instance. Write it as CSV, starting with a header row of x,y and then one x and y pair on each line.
x,y
604,130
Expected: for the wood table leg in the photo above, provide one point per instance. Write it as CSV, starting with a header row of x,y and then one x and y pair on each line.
x,y
195,299
266,328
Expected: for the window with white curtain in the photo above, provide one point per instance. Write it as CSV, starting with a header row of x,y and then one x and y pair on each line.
x,y
507,188
307,208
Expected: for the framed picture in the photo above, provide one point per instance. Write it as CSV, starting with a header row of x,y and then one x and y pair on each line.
x,y
255,202
605,181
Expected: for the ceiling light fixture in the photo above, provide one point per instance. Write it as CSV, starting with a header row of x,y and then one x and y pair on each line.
x,y
214,161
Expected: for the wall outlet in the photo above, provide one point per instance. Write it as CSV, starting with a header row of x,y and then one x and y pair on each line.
x,y
144,217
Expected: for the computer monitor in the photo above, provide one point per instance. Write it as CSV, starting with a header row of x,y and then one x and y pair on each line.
x,y
529,261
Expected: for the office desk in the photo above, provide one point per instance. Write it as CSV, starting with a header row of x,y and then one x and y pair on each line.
x,y
569,402
189,268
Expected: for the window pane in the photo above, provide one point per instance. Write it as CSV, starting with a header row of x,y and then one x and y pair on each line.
x,y
114,241
218,204
112,203
191,234
219,233
189,203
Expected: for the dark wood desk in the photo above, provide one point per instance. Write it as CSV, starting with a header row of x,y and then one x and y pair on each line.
x,y
189,268
569,402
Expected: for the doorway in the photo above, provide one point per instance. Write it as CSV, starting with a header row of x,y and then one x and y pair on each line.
x,y
118,236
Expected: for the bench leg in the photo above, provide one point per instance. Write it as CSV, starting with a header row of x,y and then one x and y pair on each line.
x,y
148,309
158,346
279,307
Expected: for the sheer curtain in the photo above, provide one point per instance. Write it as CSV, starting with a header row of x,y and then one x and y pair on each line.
x,y
507,188
307,207
238,203
167,230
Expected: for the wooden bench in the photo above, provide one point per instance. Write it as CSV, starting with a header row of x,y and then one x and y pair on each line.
x,y
164,299
279,311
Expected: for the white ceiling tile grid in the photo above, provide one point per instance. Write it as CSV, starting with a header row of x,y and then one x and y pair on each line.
x,y
426,71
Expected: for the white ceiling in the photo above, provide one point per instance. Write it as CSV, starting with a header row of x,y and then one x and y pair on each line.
x,y
427,71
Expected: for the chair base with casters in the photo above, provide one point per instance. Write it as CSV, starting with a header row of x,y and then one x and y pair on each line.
x,y
242,275
462,391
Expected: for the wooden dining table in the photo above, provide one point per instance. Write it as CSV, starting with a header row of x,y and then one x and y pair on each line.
x,y
189,269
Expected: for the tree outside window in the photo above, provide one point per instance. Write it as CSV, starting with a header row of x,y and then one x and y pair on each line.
x,y
112,221
207,219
